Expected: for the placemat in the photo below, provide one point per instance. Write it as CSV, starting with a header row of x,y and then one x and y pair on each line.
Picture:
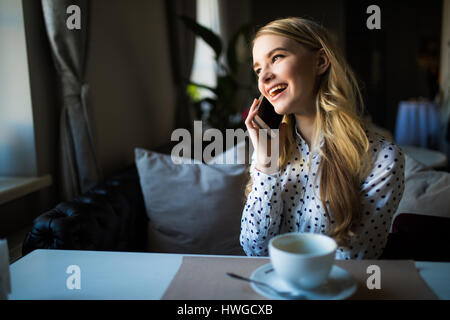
x,y
204,278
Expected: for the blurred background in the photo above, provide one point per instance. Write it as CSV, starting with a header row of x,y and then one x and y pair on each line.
x,y
142,72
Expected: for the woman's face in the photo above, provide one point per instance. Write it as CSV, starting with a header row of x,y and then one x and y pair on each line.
x,y
287,73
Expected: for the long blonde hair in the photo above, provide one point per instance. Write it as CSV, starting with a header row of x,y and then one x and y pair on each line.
x,y
339,121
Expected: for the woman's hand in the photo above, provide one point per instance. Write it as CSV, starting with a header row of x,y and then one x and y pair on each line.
x,y
266,162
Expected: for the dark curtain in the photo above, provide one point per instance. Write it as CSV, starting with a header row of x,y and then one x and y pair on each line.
x,y
78,162
182,48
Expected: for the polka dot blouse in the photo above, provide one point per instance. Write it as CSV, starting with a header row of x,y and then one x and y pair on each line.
x,y
287,201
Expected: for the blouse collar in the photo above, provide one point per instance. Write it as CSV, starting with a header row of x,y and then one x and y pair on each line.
x,y
303,145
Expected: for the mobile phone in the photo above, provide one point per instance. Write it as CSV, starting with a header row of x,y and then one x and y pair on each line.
x,y
267,118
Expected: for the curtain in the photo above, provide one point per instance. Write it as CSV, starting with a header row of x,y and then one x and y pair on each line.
x,y
78,162
182,45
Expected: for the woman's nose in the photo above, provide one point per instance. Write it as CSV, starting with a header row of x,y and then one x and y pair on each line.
x,y
266,76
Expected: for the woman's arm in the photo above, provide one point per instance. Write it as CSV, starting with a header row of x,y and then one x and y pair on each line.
x,y
381,193
261,214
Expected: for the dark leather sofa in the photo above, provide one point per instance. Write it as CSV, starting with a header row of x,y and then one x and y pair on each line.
x,y
112,217
109,217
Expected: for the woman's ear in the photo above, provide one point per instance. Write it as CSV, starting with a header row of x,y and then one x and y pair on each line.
x,y
323,62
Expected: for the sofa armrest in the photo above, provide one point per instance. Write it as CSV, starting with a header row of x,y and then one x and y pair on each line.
x,y
419,223
110,216
419,237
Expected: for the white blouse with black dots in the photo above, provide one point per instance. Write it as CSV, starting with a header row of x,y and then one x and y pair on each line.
x,y
287,201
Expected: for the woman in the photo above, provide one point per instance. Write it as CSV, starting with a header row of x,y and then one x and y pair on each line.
x,y
333,176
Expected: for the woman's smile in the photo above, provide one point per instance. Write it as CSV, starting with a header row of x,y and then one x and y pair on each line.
x,y
277,89
278,94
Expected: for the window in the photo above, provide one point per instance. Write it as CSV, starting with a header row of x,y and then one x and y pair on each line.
x,y
204,67
17,148
18,167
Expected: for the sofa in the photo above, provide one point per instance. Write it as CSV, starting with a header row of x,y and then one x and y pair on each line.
x,y
112,217
109,217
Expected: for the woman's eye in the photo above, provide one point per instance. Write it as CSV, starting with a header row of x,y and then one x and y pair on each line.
x,y
274,58
278,55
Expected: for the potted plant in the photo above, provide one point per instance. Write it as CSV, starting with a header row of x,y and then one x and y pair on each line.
x,y
223,112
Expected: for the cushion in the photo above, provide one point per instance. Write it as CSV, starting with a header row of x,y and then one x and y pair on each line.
x,y
193,208
239,154
412,166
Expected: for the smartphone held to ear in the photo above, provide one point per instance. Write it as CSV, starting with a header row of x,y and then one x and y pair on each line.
x,y
267,118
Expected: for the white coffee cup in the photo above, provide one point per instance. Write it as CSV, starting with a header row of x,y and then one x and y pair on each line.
x,y
302,260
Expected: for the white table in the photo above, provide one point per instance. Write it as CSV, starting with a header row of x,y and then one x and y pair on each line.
x,y
130,276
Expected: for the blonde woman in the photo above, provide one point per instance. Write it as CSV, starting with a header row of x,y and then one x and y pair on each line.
x,y
334,175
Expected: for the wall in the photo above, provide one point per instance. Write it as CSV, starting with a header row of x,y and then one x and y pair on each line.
x,y
128,70
330,13
385,61
445,44
410,22
132,95
445,79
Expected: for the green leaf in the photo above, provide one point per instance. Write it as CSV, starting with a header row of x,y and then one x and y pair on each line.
x,y
193,92
212,39
213,90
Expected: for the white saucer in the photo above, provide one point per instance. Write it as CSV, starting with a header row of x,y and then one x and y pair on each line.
x,y
340,284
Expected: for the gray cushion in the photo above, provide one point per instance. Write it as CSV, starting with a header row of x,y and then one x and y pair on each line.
x,y
192,208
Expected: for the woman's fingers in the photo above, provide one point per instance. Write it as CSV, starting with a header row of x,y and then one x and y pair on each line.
x,y
254,105
263,147
252,128
251,114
